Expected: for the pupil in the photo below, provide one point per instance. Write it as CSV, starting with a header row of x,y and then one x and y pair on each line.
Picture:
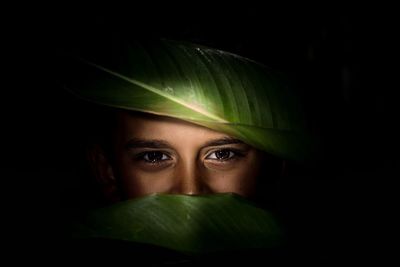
x,y
222,154
155,156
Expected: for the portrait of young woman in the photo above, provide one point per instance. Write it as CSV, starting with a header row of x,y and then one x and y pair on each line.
x,y
178,120
189,140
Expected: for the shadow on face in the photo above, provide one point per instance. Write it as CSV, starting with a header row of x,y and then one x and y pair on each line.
x,y
158,154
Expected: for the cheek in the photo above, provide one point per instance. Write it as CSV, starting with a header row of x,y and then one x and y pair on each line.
x,y
240,180
135,182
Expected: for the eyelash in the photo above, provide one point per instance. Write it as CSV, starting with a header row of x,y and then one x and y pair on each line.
x,y
235,153
141,156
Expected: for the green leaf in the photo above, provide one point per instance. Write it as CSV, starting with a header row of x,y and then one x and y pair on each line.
x,y
188,224
209,87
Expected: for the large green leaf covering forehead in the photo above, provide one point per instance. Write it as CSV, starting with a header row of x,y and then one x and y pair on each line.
x,y
209,87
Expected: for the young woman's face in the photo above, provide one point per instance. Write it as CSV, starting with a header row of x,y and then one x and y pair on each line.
x,y
156,154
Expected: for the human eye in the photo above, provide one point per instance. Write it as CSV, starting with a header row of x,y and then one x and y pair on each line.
x,y
153,157
224,154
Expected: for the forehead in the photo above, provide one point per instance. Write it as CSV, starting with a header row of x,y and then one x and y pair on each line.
x,y
144,125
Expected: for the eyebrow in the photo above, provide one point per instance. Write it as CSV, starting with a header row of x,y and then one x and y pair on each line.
x,y
148,143
222,141
156,143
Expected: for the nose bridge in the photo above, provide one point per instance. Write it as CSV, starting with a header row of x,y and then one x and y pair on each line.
x,y
188,177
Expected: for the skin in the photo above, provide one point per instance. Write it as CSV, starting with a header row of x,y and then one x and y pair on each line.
x,y
158,154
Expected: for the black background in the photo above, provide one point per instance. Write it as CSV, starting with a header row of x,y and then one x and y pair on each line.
x,y
343,59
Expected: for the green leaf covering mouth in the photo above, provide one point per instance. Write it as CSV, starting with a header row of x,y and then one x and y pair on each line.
x,y
188,224
205,86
